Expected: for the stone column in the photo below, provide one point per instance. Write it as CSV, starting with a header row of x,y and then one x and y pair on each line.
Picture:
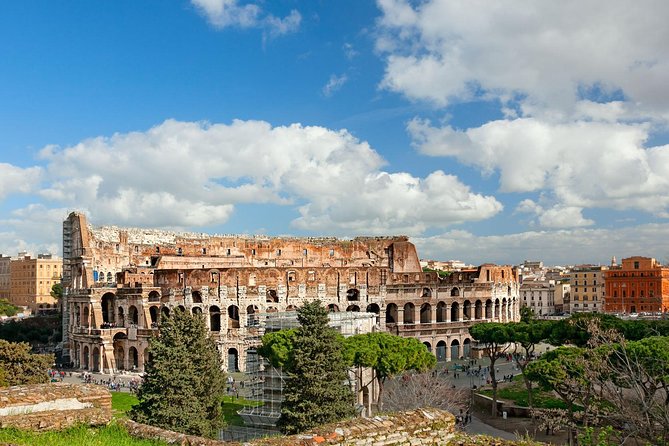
x,y
433,314
447,308
448,349
400,315
461,312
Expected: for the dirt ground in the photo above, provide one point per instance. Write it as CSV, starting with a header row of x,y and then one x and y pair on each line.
x,y
522,427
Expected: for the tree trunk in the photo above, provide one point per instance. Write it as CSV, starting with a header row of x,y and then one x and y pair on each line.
x,y
493,378
379,403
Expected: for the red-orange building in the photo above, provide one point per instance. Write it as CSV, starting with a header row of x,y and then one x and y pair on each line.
x,y
640,284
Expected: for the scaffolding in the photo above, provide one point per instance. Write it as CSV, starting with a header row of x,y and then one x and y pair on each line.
x,y
265,383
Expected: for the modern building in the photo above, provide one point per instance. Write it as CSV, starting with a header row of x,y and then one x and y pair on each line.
x,y
5,277
587,291
119,282
539,296
638,285
31,281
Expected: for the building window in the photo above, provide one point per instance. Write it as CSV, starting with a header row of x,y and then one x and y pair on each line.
x,y
636,265
278,252
227,252
332,253
304,252
253,252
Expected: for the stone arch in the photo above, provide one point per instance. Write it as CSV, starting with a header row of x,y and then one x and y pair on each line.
x,y
354,308
467,310
426,313
373,308
466,347
353,294
119,342
133,315
85,319
455,312
496,313
233,360
488,309
441,351
291,308
455,292
214,318
428,346
333,308
95,360
165,311
233,316
409,316
271,310
108,303
441,312
455,349
427,293
478,310
154,313
197,297
196,310
251,316
154,296
272,296
391,314
133,358
87,357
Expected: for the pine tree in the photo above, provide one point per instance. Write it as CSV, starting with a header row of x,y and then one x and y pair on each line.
x,y
183,385
317,390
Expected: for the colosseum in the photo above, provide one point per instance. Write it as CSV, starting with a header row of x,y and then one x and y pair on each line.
x,y
119,282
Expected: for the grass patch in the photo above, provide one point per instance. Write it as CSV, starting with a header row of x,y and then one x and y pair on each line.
x,y
113,434
232,405
122,402
516,392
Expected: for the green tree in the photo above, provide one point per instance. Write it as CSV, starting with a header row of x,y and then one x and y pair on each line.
x,y
388,355
317,390
277,347
57,293
7,308
19,366
495,338
183,386
528,335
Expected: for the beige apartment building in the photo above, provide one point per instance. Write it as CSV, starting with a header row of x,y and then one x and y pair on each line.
x,y
32,279
5,275
587,289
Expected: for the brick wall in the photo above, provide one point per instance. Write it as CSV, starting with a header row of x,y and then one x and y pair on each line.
x,y
54,406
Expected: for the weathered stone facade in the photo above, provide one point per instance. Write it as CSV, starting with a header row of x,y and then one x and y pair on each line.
x,y
54,406
119,282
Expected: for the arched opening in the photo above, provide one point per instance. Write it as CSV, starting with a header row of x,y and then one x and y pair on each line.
x,y
197,297
233,360
353,308
488,309
391,314
428,346
165,311
110,278
154,296
496,315
466,347
120,317
95,360
272,296
333,308
467,310
271,310
373,308
633,309
455,312
455,292
291,308
85,317
196,310
108,308
214,318
251,316
425,314
233,316
154,313
478,310
441,351
427,293
133,358
181,308
119,350
455,349
441,312
133,315
353,294
86,358
504,307
409,316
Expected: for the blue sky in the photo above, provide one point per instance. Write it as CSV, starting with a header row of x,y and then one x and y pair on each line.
x,y
487,132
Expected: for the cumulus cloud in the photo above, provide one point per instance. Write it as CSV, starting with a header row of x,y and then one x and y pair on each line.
x,y
186,174
34,228
334,83
556,247
15,179
549,52
227,13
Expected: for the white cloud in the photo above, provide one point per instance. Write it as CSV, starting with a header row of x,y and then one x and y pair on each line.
x,y
193,174
334,83
559,247
15,179
349,51
225,13
582,164
35,229
547,52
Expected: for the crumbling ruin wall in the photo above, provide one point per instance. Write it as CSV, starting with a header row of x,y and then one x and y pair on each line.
x,y
54,406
